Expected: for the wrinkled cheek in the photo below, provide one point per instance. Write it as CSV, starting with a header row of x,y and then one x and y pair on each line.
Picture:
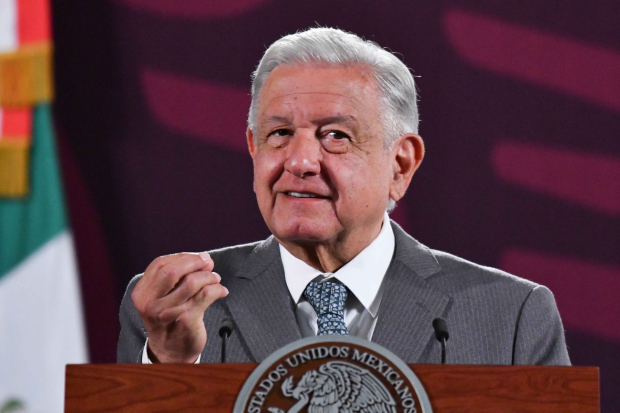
x,y
262,173
266,173
269,165
265,205
261,189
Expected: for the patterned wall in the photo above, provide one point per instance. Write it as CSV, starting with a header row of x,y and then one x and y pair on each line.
x,y
520,109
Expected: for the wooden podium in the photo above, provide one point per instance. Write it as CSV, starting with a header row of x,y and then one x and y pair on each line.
x,y
214,388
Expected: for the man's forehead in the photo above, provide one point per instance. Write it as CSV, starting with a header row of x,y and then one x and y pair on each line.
x,y
317,94
329,80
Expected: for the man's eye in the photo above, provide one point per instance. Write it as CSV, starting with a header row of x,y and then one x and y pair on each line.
x,y
337,135
280,132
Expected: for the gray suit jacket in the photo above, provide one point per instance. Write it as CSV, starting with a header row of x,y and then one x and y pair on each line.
x,y
493,317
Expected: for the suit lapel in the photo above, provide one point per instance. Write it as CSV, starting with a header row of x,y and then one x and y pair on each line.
x,y
264,313
410,302
260,302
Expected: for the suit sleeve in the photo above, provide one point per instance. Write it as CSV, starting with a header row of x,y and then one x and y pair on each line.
x,y
133,334
539,338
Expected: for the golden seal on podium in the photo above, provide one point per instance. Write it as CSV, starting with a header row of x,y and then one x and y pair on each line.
x,y
332,374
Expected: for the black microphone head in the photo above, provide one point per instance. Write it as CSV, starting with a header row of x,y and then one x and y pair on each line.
x,y
226,327
441,329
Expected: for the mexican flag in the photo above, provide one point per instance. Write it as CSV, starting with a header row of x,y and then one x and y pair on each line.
x,y
41,318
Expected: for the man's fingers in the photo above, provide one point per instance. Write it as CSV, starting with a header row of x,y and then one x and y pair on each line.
x,y
159,262
209,294
171,298
164,275
187,287
192,310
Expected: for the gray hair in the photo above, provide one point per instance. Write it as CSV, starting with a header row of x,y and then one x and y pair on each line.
x,y
329,46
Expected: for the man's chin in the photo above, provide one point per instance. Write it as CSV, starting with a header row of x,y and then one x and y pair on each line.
x,y
303,232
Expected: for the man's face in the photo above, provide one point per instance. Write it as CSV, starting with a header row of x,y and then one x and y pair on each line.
x,y
321,172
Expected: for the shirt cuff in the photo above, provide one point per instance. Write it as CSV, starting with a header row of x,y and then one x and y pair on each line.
x,y
145,354
147,360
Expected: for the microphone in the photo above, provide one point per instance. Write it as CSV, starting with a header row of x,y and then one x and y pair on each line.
x,y
226,328
442,335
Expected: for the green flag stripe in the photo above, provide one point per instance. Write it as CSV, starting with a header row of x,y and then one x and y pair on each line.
x,y
26,224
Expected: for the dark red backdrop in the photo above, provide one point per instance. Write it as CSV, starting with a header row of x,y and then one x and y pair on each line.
x,y
520,108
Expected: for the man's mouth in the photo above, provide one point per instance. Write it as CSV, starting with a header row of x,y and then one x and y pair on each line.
x,y
302,195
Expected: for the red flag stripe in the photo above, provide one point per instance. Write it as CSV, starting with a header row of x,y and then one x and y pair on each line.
x,y
33,21
16,124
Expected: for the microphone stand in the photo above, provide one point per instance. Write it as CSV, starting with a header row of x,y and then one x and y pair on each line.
x,y
441,334
226,329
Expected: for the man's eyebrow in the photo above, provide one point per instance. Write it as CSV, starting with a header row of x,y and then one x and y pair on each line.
x,y
346,119
335,119
277,119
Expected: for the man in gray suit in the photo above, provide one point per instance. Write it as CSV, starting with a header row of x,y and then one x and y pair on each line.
x,y
333,135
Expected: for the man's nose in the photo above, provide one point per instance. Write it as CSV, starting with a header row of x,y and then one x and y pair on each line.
x,y
303,157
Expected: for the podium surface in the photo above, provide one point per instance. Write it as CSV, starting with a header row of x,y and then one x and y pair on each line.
x,y
214,388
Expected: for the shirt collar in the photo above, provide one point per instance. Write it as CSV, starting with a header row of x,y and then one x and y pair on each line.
x,y
362,275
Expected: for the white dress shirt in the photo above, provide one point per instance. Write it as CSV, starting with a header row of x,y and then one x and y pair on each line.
x,y
363,276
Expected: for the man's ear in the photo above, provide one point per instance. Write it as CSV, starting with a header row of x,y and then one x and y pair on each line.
x,y
251,145
407,154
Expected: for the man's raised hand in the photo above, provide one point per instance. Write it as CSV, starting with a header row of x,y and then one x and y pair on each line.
x,y
171,298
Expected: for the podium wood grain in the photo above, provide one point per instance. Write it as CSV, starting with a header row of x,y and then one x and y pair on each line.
x,y
214,388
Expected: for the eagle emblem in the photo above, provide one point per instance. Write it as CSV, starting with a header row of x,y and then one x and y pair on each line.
x,y
338,387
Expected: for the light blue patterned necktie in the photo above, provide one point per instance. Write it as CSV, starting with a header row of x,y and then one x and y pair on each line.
x,y
328,299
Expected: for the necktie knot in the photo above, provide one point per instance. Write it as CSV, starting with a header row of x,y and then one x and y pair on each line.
x,y
327,299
